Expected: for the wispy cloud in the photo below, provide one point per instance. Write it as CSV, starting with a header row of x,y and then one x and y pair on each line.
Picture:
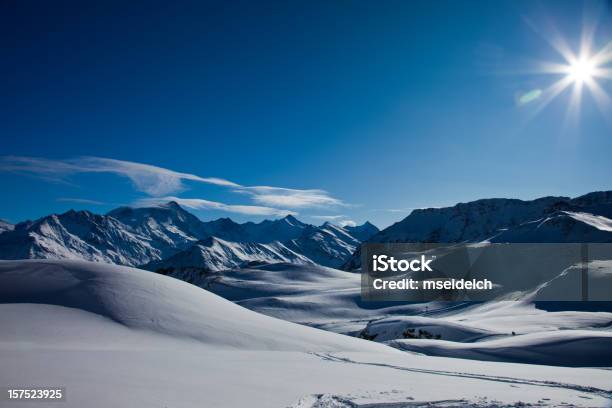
x,y
292,198
348,223
153,180
341,219
158,181
80,201
201,204
327,217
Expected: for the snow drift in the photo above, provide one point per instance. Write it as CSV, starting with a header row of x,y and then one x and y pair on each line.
x,y
146,301
122,337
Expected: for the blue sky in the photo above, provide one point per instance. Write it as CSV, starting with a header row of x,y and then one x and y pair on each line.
x,y
349,111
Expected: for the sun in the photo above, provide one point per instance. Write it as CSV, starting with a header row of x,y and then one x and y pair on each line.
x,y
585,70
581,70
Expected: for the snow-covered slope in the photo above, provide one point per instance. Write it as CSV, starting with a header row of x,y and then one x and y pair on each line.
x,y
331,299
214,254
5,226
327,245
125,236
137,236
167,226
502,331
309,294
77,235
565,347
282,230
142,300
561,227
121,337
473,221
548,219
514,331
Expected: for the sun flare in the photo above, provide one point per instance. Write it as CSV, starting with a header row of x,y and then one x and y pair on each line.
x,y
585,70
581,70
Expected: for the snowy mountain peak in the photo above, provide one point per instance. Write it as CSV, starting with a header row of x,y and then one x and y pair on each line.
x,y
475,220
135,214
77,213
141,235
213,254
77,235
546,219
362,232
294,222
172,205
169,226
5,226
328,245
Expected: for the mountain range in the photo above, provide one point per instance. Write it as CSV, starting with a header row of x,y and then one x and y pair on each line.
x,y
167,235
548,219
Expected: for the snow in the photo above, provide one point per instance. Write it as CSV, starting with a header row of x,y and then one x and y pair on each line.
x,y
138,236
5,226
330,299
328,245
563,286
122,337
600,222
214,254
143,300
282,230
559,227
547,219
77,235
564,347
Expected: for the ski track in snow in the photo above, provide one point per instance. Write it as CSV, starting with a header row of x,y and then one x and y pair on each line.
x,y
337,401
513,380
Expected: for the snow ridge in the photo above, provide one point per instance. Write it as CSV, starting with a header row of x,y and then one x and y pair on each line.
x,y
139,236
5,226
587,218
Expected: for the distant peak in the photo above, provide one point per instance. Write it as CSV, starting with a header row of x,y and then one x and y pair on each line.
x,y
292,220
366,224
72,212
170,205
5,225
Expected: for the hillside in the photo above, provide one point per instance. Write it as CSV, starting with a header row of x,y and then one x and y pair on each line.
x,y
156,341
547,219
